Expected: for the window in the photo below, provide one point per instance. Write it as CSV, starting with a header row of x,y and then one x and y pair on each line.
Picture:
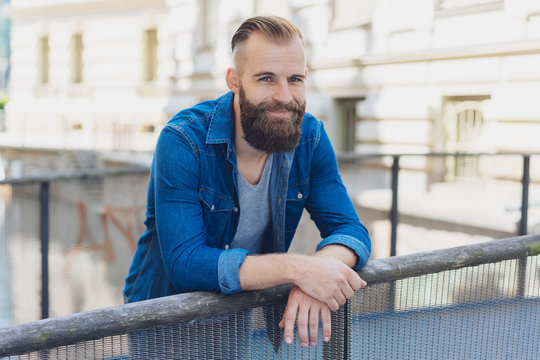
x,y
460,7
150,55
463,132
76,58
43,46
347,124
452,4
352,12
208,22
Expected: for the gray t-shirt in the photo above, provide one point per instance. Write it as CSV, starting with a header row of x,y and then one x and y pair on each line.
x,y
255,214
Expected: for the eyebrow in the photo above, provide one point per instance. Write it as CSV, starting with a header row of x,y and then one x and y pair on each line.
x,y
268,73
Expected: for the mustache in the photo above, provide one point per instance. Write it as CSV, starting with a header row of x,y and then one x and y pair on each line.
x,y
273,106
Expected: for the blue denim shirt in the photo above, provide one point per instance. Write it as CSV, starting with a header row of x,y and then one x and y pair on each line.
x,y
192,207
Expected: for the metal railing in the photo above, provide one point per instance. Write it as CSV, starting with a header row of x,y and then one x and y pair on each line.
x,y
395,170
43,207
44,183
454,303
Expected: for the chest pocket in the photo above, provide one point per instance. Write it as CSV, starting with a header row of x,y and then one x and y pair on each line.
x,y
218,213
297,196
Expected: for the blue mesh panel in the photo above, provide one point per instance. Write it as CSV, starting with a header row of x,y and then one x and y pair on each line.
x,y
489,311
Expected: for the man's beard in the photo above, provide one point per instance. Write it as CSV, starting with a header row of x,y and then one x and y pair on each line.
x,y
268,133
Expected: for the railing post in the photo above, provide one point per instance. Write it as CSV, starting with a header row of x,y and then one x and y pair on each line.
x,y
347,314
44,237
338,348
394,220
394,213
525,181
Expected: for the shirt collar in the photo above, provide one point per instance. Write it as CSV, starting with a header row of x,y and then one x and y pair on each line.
x,y
221,128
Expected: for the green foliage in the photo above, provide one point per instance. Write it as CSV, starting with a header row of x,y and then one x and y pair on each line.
x,y
534,249
4,98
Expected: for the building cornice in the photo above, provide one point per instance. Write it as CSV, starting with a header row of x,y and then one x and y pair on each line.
x,y
39,10
471,52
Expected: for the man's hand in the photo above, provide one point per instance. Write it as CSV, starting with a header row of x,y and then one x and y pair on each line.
x,y
329,280
308,310
323,282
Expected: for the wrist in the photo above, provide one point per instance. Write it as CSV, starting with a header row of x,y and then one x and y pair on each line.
x,y
294,267
338,252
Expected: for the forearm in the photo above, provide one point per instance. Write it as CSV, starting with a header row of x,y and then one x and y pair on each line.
x,y
264,271
326,276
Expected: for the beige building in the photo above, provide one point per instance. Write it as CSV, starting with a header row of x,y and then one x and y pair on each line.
x,y
88,74
385,76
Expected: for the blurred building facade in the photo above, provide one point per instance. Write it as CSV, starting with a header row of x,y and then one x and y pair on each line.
x,y
385,75
5,29
85,73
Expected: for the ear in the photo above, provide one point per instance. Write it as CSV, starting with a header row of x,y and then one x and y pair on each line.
x,y
232,80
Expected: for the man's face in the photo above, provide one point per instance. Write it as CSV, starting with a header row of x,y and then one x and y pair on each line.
x,y
272,93
269,133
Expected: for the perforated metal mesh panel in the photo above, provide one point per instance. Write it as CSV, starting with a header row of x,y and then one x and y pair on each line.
x,y
471,313
94,224
20,254
490,311
250,334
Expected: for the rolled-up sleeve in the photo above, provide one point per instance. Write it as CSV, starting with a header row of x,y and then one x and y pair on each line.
x,y
228,270
352,243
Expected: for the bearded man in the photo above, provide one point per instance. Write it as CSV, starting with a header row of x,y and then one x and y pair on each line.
x,y
228,184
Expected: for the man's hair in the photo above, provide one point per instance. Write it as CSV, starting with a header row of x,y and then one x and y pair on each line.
x,y
274,28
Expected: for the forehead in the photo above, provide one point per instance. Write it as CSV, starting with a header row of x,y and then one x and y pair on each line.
x,y
261,54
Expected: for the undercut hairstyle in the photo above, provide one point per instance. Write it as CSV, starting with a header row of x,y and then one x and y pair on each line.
x,y
274,28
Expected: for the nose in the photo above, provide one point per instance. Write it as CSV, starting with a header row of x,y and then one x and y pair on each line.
x,y
282,92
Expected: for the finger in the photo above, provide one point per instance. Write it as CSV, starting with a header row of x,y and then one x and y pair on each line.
x,y
340,298
347,291
303,320
326,323
289,317
333,305
356,282
313,324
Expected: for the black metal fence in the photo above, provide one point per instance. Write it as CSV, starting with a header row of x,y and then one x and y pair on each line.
x,y
65,235
395,170
54,221
457,303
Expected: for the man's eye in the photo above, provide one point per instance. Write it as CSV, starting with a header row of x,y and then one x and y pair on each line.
x,y
265,78
295,79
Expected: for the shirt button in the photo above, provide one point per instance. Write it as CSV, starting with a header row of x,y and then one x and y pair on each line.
x,y
299,195
235,209
212,208
227,247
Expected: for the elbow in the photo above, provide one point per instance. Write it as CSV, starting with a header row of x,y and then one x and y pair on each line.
x,y
194,274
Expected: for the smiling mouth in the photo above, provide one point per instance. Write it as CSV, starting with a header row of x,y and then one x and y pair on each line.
x,y
279,112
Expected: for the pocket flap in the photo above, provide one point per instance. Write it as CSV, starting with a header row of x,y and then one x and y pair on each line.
x,y
214,201
298,192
